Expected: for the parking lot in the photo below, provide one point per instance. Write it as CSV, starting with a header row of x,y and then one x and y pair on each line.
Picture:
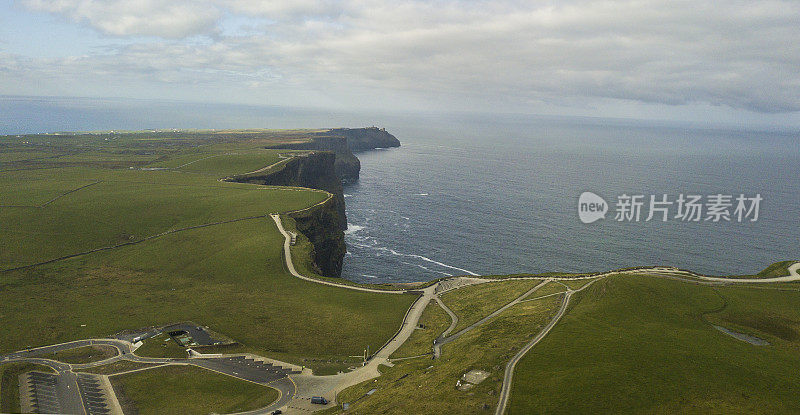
x,y
44,396
92,395
246,368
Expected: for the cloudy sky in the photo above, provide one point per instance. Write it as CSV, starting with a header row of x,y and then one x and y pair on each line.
x,y
674,59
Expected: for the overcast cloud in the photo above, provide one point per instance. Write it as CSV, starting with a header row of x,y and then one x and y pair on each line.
x,y
492,55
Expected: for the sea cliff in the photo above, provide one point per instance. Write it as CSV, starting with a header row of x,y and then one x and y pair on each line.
x,y
343,142
323,224
332,164
360,139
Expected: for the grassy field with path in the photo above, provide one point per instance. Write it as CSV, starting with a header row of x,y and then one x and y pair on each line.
x,y
637,344
175,245
425,386
474,302
188,390
435,321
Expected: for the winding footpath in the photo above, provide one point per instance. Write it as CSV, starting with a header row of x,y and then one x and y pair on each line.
x,y
505,392
287,253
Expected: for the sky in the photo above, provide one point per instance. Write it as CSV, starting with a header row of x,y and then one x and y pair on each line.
x,y
726,61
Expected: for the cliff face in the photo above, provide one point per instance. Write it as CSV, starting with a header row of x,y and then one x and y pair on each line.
x,y
324,224
325,169
343,142
323,228
360,139
346,164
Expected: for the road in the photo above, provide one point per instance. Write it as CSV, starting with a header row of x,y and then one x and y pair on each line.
x,y
71,400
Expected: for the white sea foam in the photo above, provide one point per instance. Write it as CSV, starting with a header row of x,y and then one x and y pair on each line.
x,y
424,258
351,229
401,254
426,268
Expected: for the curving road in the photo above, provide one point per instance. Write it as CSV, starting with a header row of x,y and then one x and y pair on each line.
x,y
68,392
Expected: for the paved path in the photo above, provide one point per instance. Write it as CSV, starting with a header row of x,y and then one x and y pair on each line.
x,y
509,373
287,252
437,350
793,276
442,341
410,323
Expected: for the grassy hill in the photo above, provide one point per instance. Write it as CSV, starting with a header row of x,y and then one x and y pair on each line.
x,y
629,343
160,239
635,344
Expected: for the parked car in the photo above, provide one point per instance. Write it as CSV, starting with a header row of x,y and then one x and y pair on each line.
x,y
319,400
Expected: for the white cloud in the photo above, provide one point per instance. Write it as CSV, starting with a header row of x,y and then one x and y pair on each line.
x,y
167,19
500,54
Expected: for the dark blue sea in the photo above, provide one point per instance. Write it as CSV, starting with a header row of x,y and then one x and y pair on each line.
x,y
472,194
489,196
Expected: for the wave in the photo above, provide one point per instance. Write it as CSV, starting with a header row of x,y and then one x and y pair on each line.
x,y
351,229
426,268
401,254
424,258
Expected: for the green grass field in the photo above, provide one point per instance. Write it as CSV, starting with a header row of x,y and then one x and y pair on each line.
x,y
435,321
634,344
176,245
86,354
188,390
474,302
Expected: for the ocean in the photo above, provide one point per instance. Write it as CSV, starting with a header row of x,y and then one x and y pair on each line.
x,y
488,196
471,194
